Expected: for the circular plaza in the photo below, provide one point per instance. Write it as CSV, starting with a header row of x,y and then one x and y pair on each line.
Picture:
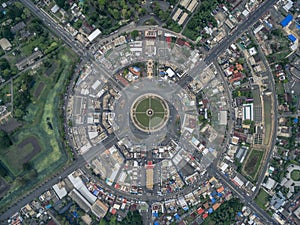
x,y
149,112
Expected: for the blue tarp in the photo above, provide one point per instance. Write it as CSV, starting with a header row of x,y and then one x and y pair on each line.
x,y
48,206
177,216
240,214
156,223
286,20
292,37
296,120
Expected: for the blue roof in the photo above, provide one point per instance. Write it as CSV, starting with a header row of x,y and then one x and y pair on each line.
x,y
155,214
156,223
210,210
177,216
213,200
286,20
240,214
292,38
296,120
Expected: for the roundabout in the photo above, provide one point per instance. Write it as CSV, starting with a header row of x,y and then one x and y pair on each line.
x,y
148,127
149,113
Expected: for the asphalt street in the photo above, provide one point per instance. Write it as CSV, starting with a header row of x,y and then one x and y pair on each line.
x,y
250,20
80,161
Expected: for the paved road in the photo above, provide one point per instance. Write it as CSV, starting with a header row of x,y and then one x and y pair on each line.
x,y
80,162
247,200
251,19
265,165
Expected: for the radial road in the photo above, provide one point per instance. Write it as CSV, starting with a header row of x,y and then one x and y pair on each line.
x,y
81,51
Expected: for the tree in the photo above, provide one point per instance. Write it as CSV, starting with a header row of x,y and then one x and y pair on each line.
x,y
102,4
134,34
5,141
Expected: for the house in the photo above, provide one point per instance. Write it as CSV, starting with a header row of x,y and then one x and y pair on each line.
x,y
5,44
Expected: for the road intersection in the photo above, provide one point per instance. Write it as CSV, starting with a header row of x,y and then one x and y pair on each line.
x,y
111,140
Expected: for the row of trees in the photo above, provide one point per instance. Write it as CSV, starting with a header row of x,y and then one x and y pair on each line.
x,y
132,218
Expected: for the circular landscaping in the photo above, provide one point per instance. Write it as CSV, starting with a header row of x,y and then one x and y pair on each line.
x,y
295,175
149,113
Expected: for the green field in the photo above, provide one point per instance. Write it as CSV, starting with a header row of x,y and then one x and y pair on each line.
x,y
253,162
262,198
35,142
143,119
295,175
17,155
156,105
140,112
143,106
267,119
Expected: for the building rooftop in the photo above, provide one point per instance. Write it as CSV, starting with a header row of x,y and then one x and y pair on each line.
x,y
5,44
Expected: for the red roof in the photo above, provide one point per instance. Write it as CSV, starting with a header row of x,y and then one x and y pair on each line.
x,y
168,39
205,215
113,211
200,211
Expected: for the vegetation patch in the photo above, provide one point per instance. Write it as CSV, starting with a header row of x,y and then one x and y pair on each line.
x,y
267,119
262,198
225,214
253,162
18,155
39,89
295,175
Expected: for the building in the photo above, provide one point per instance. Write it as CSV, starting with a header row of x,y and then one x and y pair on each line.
x,y
149,178
19,26
5,44
99,209
286,21
248,111
60,190
292,38
80,200
150,34
94,35
55,9
223,117
270,184
29,60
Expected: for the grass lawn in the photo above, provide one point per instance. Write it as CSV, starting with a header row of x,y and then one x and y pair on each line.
x,y
156,119
142,119
156,105
17,155
262,198
267,119
253,162
295,175
279,88
142,106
